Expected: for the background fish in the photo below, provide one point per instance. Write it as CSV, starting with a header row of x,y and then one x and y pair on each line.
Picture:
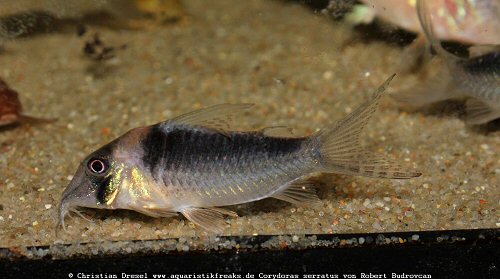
x,y
476,78
466,21
24,17
195,163
11,108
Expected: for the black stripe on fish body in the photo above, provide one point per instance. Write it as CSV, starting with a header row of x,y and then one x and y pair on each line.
x,y
182,147
485,64
238,146
102,186
154,146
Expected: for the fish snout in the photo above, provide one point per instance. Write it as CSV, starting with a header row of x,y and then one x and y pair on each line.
x,y
79,193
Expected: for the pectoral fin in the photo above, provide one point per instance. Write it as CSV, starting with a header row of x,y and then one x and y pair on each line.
x,y
211,219
478,112
154,212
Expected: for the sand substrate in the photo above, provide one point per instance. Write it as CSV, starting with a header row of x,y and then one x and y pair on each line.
x,y
299,69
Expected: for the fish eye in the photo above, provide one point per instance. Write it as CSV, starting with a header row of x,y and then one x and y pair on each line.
x,y
97,166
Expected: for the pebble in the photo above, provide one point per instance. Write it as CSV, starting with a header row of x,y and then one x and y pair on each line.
x,y
369,239
366,202
415,237
361,240
328,75
409,213
295,238
377,226
48,206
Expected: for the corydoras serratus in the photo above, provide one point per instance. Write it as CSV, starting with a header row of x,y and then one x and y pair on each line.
x,y
195,163
465,21
476,78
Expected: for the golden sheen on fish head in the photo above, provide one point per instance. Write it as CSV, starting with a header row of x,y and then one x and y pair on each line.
x,y
93,184
101,175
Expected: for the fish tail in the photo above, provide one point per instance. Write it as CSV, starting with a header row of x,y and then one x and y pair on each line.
x,y
340,150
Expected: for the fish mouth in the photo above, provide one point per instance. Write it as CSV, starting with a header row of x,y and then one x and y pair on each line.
x,y
74,196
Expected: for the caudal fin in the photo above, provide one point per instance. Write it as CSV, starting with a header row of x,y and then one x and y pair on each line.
x,y
340,149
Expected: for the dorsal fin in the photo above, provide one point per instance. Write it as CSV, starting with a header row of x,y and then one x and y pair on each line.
x,y
425,18
219,117
278,131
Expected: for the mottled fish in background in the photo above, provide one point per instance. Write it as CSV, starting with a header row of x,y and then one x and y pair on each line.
x,y
476,78
24,17
466,21
11,108
195,163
